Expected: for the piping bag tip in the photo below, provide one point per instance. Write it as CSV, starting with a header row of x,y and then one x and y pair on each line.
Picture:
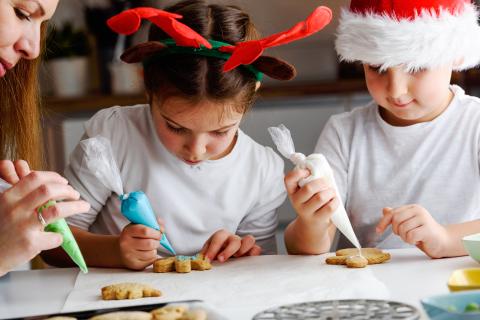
x,y
166,244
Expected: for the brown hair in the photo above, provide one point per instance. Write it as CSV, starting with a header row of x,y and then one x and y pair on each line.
x,y
20,134
197,77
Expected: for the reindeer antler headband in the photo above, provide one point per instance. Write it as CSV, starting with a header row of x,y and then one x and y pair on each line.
x,y
185,40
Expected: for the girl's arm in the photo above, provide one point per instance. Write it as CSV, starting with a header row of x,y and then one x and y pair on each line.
x,y
97,250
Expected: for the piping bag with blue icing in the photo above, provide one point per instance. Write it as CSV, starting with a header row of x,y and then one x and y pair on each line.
x,y
319,167
69,243
135,206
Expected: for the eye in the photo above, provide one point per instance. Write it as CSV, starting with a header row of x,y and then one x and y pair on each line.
x,y
220,133
22,15
176,130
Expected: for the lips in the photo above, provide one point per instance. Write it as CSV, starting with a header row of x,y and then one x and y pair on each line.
x,y
4,66
191,162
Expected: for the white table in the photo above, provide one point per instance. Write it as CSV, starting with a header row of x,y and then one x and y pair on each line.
x,y
267,281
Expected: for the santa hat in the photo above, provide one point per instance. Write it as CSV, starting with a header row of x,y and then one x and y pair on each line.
x,y
414,33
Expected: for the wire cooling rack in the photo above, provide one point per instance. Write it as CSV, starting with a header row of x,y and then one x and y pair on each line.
x,y
341,309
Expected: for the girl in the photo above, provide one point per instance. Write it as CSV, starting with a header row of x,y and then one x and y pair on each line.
x,y
214,187
410,159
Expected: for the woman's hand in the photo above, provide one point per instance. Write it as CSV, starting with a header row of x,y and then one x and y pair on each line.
x,y
138,246
21,232
222,245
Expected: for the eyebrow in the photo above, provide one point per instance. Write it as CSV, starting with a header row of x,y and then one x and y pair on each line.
x,y
42,10
222,128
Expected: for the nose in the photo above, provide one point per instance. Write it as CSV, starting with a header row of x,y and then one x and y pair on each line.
x,y
28,45
397,80
196,147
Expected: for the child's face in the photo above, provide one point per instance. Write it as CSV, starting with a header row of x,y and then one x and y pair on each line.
x,y
196,133
409,98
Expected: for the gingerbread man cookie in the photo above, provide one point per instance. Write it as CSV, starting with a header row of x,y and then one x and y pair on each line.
x,y
129,290
351,258
182,264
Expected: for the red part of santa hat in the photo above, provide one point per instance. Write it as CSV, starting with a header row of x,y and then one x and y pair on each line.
x,y
414,33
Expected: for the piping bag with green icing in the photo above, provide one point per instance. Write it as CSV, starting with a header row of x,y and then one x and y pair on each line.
x,y
135,206
69,243
319,167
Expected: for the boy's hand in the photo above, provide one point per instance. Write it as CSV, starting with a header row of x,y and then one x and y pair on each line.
x,y
416,226
314,202
138,246
222,245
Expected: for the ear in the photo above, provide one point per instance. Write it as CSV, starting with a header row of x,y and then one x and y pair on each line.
x,y
142,51
275,68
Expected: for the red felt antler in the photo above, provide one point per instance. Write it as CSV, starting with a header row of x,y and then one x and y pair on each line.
x,y
248,51
128,22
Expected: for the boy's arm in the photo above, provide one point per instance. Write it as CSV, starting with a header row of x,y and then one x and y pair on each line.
x,y
97,250
303,237
454,247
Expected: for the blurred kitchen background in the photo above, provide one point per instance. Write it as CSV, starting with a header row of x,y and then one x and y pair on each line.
x,y
82,74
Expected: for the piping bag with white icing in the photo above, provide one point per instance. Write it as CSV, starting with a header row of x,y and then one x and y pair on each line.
x,y
318,166
135,206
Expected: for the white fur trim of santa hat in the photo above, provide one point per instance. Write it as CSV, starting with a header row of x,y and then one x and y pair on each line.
x,y
427,41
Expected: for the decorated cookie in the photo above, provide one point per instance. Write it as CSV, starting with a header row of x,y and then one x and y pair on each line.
x,y
351,258
62,318
196,314
129,290
124,315
182,264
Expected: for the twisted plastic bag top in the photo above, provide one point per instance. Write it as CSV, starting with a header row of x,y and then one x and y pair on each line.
x,y
99,160
283,140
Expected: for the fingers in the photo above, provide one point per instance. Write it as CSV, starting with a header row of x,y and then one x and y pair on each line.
x,y
47,192
255,251
293,177
247,243
7,172
321,199
35,180
143,232
48,240
218,241
65,209
161,223
22,168
385,221
406,226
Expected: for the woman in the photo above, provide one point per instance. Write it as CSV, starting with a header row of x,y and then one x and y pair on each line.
x,y
22,24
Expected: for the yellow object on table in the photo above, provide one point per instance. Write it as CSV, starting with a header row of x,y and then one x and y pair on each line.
x,y
464,279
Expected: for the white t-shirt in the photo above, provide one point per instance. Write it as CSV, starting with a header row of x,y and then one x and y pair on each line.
x,y
434,164
239,192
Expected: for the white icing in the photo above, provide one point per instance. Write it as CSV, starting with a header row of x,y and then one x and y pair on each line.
x,y
319,167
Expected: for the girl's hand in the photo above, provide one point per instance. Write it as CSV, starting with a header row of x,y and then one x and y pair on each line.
x,y
138,246
416,226
315,202
21,232
222,245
